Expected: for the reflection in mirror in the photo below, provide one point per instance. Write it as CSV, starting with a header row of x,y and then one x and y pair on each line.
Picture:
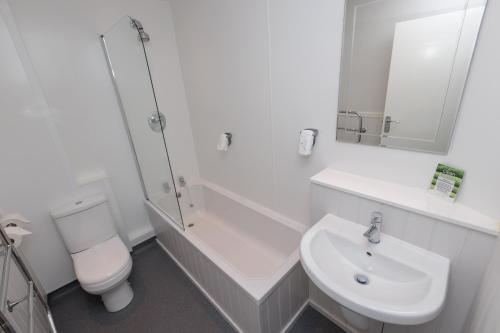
x,y
404,67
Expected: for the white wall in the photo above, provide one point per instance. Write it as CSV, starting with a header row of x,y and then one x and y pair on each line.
x,y
87,132
268,68
223,50
33,174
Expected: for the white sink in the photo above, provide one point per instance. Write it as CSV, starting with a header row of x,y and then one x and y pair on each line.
x,y
406,284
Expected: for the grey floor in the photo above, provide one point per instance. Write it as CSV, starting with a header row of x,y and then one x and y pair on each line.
x,y
165,301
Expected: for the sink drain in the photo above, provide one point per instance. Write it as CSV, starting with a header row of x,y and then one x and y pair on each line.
x,y
361,279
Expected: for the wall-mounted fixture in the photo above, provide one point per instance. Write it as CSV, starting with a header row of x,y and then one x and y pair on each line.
x,y
403,72
323,257
143,35
12,225
183,186
225,140
157,121
307,140
182,181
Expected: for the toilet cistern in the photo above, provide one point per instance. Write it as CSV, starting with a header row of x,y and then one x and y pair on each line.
x,y
373,232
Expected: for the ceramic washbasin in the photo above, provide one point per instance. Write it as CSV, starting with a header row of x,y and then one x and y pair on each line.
x,y
403,284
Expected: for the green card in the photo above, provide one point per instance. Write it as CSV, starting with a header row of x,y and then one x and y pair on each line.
x,y
447,180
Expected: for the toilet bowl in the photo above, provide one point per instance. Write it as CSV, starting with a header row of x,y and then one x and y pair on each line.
x,y
103,270
101,260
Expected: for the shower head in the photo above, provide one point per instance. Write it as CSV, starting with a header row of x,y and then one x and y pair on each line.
x,y
136,24
143,35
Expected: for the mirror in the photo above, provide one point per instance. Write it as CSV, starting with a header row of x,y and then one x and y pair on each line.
x,y
404,68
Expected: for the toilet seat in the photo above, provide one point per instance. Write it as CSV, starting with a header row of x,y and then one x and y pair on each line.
x,y
102,266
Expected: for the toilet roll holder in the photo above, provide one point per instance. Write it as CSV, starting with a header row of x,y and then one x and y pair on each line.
x,y
229,138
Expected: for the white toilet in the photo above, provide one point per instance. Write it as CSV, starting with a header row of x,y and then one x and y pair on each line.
x,y
101,261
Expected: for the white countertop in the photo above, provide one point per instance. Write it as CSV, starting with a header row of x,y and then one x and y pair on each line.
x,y
413,199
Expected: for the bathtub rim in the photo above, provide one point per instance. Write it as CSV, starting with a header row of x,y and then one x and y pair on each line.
x,y
301,228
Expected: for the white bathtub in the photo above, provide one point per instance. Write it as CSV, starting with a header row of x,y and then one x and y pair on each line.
x,y
244,257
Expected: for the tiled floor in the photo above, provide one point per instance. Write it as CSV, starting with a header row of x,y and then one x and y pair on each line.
x,y
165,301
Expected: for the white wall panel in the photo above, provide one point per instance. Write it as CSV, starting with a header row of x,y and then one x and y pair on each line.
x,y
224,57
33,175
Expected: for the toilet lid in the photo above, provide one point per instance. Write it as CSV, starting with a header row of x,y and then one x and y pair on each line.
x,y
101,262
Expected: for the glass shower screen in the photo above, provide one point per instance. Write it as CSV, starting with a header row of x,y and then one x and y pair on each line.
x,y
127,59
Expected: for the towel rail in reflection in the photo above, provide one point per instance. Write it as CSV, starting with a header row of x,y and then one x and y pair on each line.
x,y
360,129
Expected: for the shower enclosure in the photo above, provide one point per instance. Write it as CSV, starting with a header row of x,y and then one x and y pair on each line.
x,y
125,49
243,256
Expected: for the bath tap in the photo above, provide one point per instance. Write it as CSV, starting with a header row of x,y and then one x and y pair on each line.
x,y
373,232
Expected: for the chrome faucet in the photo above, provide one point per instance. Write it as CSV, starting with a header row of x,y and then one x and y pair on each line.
x,y
373,232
